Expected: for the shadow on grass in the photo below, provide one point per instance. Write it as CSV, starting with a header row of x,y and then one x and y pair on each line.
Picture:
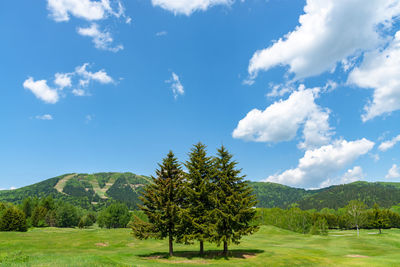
x,y
210,254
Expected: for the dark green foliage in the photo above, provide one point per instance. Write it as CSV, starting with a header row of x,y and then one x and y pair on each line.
x,y
122,191
198,204
270,195
319,227
233,202
79,188
114,216
161,203
13,219
87,220
66,215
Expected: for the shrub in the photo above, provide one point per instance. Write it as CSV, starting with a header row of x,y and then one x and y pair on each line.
x,y
67,216
13,219
114,216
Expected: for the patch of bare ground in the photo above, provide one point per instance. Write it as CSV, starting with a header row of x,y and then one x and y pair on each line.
x,y
102,244
61,183
356,256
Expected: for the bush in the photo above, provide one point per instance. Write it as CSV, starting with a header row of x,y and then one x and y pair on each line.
x,y
114,216
67,216
320,227
13,219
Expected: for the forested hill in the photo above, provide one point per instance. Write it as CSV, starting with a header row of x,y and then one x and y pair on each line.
x,y
384,194
85,190
94,190
271,195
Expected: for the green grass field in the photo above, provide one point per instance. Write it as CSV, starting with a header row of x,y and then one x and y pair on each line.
x,y
270,246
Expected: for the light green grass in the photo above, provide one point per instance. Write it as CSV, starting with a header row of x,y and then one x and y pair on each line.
x,y
270,246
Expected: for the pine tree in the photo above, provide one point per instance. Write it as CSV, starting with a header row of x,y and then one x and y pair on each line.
x,y
198,205
234,202
162,204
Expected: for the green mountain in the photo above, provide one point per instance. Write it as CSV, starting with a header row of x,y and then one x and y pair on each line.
x,y
384,194
92,191
85,190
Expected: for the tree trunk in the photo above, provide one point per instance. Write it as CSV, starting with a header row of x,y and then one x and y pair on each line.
x,y
201,248
380,231
358,233
225,248
171,246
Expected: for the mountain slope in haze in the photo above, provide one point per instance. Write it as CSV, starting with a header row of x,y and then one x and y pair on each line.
x,y
85,190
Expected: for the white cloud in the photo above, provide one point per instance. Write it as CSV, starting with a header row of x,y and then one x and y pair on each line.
x,y
380,71
393,172
45,117
323,163
61,10
101,39
63,80
329,31
13,188
176,85
187,7
99,76
389,144
352,175
162,33
41,90
79,79
282,120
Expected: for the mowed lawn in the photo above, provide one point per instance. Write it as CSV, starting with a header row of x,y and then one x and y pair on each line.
x,y
270,246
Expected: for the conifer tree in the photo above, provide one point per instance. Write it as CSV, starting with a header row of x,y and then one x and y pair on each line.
x,y
162,203
198,205
234,202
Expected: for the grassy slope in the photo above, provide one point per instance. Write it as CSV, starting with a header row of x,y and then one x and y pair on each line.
x,y
269,247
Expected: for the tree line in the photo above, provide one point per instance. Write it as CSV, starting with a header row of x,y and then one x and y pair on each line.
x,y
355,215
209,202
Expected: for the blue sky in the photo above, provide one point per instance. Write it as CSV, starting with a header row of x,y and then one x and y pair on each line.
x,y
303,93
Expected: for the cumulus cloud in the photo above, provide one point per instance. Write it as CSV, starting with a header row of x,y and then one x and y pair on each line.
x,y
282,120
393,173
187,7
45,117
329,31
352,175
380,70
176,85
61,10
102,40
62,80
321,164
79,79
41,90
389,144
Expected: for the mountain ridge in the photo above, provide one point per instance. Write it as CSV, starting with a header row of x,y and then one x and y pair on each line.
x,y
92,191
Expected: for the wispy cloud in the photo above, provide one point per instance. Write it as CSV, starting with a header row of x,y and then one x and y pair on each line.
x,y
102,40
176,85
45,117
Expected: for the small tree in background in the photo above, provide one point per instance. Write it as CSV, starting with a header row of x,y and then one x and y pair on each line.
x,y
13,219
379,219
198,204
233,202
356,212
114,216
162,204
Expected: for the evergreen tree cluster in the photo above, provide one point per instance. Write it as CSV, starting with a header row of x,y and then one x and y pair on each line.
x,y
209,202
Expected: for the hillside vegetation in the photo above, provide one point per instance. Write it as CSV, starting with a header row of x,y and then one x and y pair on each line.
x,y
85,190
94,190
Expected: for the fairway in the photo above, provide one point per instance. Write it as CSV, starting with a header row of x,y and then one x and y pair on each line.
x,y
270,246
